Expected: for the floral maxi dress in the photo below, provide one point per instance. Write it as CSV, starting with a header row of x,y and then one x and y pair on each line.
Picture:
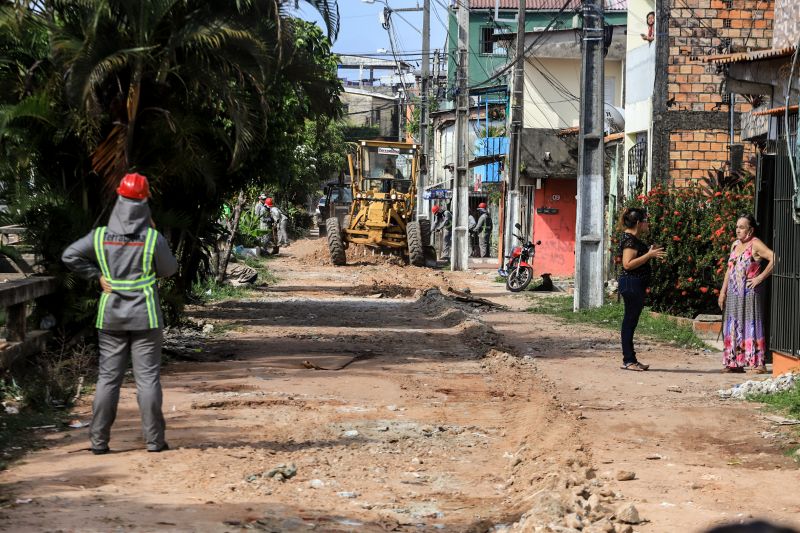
x,y
743,325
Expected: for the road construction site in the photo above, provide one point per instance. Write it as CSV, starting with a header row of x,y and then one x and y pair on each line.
x,y
382,397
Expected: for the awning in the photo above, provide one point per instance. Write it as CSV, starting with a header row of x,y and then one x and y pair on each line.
x,y
480,161
755,55
568,132
775,111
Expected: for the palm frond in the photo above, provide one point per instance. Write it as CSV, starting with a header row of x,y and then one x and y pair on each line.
x,y
36,107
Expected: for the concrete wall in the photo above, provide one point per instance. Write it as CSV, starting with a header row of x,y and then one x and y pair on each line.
x,y
361,111
563,161
786,30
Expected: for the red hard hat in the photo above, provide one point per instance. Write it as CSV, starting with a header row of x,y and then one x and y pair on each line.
x,y
134,186
268,202
482,205
435,209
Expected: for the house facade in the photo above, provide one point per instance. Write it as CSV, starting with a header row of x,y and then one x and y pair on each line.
x,y
680,122
764,76
549,159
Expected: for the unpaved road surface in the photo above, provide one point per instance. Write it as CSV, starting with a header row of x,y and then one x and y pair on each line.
x,y
392,407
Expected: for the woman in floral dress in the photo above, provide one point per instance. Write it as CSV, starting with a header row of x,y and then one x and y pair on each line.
x,y
742,300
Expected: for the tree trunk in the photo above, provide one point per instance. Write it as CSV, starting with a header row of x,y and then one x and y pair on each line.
x,y
232,228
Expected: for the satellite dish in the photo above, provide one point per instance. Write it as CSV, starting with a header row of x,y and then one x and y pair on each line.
x,y
614,119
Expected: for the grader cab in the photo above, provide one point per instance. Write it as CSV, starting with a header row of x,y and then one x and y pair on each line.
x,y
382,215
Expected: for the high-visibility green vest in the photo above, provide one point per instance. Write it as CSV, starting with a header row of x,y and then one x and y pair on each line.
x,y
145,283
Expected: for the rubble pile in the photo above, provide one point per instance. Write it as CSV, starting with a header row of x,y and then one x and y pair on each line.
x,y
575,499
767,386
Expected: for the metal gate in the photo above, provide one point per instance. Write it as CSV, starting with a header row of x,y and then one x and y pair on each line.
x,y
785,306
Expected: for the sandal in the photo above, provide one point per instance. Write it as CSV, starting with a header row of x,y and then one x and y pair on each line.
x,y
759,370
636,367
733,370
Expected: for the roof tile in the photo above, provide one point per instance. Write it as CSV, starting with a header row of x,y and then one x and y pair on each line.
x,y
555,5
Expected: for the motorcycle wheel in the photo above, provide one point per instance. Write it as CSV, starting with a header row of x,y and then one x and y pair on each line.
x,y
519,278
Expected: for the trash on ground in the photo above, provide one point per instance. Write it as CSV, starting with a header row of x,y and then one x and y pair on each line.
x,y
767,386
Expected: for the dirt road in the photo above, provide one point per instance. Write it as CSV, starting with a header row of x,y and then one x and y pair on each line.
x,y
390,407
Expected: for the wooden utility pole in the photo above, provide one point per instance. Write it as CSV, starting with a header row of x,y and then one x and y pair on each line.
x,y
517,119
459,257
589,231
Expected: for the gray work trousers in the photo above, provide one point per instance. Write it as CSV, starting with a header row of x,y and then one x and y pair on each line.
x,y
116,348
447,238
484,243
266,238
283,233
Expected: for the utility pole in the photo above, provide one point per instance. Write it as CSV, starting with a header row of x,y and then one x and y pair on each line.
x,y
459,257
422,207
589,232
517,118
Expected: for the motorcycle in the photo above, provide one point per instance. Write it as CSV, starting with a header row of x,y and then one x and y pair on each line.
x,y
519,269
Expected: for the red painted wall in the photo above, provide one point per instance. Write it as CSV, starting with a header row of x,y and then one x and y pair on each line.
x,y
556,254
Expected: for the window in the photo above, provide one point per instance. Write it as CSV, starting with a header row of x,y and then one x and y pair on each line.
x,y
488,45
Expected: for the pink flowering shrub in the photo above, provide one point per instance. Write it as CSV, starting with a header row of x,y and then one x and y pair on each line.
x,y
696,226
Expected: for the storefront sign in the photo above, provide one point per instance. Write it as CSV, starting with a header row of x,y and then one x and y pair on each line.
x,y
437,194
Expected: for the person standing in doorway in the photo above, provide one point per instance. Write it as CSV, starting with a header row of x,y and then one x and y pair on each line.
x,y
127,257
483,228
443,222
634,279
742,300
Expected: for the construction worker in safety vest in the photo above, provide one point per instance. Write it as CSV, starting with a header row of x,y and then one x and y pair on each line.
x,y
127,257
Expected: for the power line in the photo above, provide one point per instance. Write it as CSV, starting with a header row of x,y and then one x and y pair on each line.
x,y
521,56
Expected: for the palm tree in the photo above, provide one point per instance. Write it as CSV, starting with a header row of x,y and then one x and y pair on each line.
x,y
198,95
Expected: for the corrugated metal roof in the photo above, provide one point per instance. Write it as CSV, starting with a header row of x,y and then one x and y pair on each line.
x,y
555,5
776,111
755,55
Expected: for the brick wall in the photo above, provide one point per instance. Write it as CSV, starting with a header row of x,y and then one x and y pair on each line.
x,y
694,152
699,28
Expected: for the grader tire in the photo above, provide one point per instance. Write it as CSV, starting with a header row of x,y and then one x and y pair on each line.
x,y
425,229
416,251
335,244
345,225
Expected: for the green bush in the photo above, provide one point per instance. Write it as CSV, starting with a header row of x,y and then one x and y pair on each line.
x,y
696,226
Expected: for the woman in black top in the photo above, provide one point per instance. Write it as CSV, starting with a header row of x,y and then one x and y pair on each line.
x,y
634,279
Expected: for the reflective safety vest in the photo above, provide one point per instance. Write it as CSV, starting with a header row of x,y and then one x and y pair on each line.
x,y
145,283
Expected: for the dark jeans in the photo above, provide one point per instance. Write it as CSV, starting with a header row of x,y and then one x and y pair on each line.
x,y
632,290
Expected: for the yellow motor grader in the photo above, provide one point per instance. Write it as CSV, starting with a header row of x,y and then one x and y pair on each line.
x,y
383,213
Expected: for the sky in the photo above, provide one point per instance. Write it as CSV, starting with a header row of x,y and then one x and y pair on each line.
x,y
361,32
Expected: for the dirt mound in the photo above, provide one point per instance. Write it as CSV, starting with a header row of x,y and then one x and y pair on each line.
x,y
311,251
381,290
314,252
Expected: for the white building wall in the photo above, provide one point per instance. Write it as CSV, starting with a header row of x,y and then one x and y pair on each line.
x,y
552,88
